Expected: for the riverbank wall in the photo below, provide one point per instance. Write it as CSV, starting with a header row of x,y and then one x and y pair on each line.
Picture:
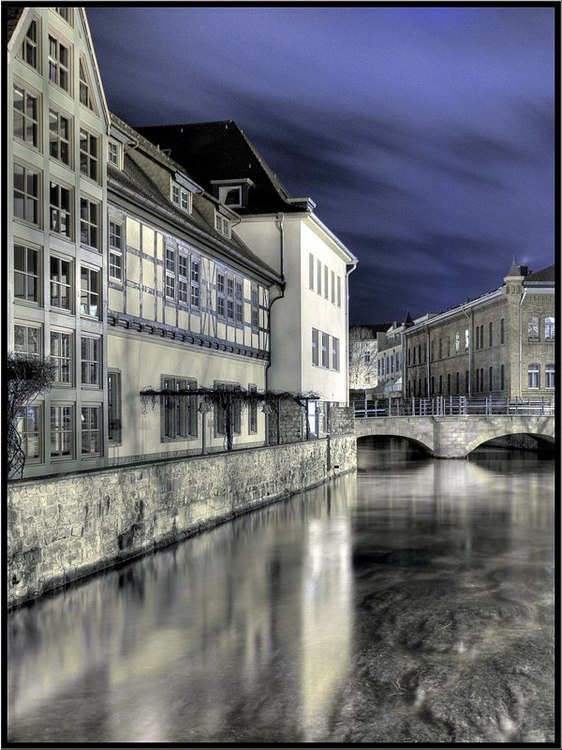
x,y
61,529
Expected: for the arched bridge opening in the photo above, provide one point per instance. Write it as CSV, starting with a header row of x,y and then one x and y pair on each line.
x,y
525,441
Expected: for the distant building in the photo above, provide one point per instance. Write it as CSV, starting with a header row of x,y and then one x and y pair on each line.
x,y
499,344
363,348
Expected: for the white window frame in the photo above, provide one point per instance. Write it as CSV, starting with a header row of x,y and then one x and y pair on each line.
x,y
222,225
549,375
32,345
58,141
56,282
91,430
115,251
30,48
25,277
89,147
90,223
63,426
59,70
30,201
61,204
226,190
549,330
90,293
24,421
90,361
61,348
534,376
114,407
29,121
115,153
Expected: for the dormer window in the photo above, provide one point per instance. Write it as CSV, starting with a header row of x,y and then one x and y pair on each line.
x,y
115,154
232,193
231,196
181,197
222,225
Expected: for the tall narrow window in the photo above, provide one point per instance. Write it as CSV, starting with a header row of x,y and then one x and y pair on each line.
x,y
252,412
27,284
338,289
180,410
60,210
89,154
325,351
170,280
62,431
255,309
26,194
115,251
235,411
61,283
239,303
26,116
326,286
533,328
89,292
457,342
549,329
85,92
502,377
319,277
490,378
90,366
29,426
315,355
335,353
58,63
311,271
114,153
61,357
230,298
91,433
59,137
114,406
183,279
333,288
490,333
27,340
195,283
221,301
466,339
549,376
502,331
89,223
533,373
30,46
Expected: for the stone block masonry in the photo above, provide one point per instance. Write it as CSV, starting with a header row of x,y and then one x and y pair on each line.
x,y
61,529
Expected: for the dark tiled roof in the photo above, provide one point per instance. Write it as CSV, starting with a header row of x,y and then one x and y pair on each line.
x,y
221,151
11,14
370,329
544,276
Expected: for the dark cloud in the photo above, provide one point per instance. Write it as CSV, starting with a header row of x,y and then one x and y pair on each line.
x,y
424,134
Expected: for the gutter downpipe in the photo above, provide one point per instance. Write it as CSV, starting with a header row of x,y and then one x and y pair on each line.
x,y
280,225
521,340
347,275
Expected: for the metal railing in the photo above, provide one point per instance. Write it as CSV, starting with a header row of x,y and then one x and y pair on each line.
x,y
441,406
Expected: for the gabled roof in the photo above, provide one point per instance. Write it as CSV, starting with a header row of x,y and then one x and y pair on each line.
x,y
544,277
221,151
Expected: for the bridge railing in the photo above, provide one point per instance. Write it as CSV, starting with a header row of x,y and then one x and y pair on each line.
x,y
450,405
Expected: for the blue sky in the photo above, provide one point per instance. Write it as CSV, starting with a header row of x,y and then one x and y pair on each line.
x,y
424,134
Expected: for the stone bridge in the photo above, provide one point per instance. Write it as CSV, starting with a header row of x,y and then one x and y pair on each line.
x,y
455,436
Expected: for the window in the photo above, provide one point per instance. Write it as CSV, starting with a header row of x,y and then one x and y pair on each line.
x,y
533,328
326,287
333,288
62,431
221,412
549,329
221,306
89,151
338,289
89,292
183,283
59,137
549,376
367,357
255,309
448,384
252,412
457,342
114,153
502,377
195,283
440,349
91,433
29,48
61,283
466,339
90,366
27,340
26,116
27,286
490,333
65,13
114,406
311,271
61,357
490,379
60,217
502,331
170,280
315,358
534,375
222,225
180,411
29,426
115,251
182,198
239,303
325,352
89,223
229,298
231,196
432,350
319,277
26,194
59,71
335,353
85,92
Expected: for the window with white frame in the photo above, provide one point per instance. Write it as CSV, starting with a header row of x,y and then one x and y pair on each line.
x,y
230,298
62,431
333,288
90,360
235,407
335,353
222,225
89,154
114,153
255,308
533,373
27,270
60,131
325,361
338,289
30,428
66,13
62,357
26,116
170,276
315,347
59,63
85,88
239,303
311,271
179,417
221,295
26,194
195,282
319,276
466,339
231,195
181,197
457,342
549,375
60,276
91,431
30,45
114,426
326,285
27,340
115,251
89,223
90,292
60,210
549,329
183,279
533,328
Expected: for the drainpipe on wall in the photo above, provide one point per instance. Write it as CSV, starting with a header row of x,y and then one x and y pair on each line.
x,y
521,340
347,275
280,217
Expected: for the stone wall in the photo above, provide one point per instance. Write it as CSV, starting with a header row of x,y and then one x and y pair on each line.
x,y
64,528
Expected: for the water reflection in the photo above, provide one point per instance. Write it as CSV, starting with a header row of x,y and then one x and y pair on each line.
x,y
410,603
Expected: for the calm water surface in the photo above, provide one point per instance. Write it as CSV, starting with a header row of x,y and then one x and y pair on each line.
x,y
410,603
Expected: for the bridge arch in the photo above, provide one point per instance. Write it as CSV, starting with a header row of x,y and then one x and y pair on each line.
x,y
389,434
546,440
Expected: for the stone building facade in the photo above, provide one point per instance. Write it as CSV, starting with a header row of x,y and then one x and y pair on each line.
x,y
500,344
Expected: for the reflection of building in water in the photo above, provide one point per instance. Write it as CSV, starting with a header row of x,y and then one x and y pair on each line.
x,y
327,620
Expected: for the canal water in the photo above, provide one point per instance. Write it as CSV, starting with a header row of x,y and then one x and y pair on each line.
x,y
412,602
